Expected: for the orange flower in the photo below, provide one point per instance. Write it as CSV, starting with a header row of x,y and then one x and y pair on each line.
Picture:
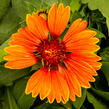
x,y
67,65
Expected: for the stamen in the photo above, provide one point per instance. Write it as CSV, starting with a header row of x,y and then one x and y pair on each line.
x,y
52,52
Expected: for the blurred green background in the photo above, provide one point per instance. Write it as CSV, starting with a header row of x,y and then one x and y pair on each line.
x,y
13,82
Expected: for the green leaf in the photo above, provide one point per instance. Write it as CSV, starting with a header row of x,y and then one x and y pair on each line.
x,y
36,66
80,100
4,4
9,102
83,107
65,2
50,106
1,97
39,4
18,5
68,105
8,25
75,16
102,5
35,3
21,8
49,2
42,106
96,102
7,76
101,83
75,5
2,54
24,101
103,94
105,54
5,44
42,4
1,92
99,35
105,69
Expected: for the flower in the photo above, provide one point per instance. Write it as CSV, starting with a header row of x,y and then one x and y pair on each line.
x,y
68,65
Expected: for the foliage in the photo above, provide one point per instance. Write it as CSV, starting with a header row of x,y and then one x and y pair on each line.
x,y
101,5
13,82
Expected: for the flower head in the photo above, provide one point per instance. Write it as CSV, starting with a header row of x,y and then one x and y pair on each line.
x,y
68,65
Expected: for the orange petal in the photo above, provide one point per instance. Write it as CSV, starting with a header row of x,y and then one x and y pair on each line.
x,y
38,26
82,67
24,43
88,57
46,85
58,19
83,70
52,18
76,27
55,90
19,57
94,64
82,41
25,38
82,81
39,83
73,83
80,36
71,89
33,81
59,87
51,96
89,47
19,64
16,48
63,87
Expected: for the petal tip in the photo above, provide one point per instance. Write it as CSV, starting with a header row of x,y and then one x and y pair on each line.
x,y
26,91
33,95
68,8
42,97
7,66
50,101
5,58
6,49
27,17
53,6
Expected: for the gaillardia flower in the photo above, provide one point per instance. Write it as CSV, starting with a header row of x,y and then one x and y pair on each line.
x,y
68,65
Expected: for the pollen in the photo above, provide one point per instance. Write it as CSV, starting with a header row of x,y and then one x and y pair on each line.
x,y
51,52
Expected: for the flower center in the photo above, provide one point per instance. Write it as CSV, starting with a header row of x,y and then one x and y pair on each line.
x,y
51,53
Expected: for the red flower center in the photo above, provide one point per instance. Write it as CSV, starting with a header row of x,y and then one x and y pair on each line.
x,y
51,53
